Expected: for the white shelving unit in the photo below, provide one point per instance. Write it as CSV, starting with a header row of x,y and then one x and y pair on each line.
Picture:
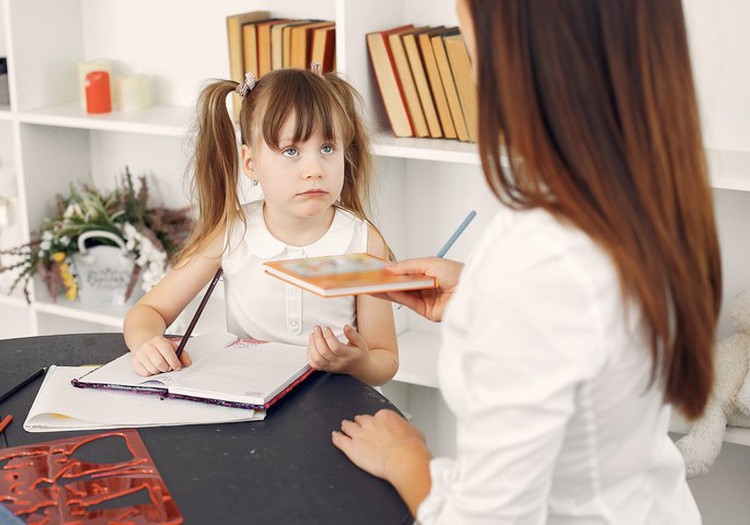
x,y
426,186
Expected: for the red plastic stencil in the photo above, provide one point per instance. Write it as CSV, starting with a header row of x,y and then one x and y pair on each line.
x,y
101,479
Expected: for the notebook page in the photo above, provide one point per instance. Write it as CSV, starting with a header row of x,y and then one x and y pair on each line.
x,y
121,371
245,372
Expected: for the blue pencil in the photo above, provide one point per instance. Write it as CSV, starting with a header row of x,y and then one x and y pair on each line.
x,y
452,240
457,233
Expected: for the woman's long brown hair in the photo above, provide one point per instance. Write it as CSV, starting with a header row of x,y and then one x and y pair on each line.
x,y
595,104
312,100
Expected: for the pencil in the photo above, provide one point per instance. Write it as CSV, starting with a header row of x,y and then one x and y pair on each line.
x,y
457,233
451,241
22,384
198,312
5,422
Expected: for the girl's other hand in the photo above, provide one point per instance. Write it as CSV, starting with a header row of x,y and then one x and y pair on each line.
x,y
429,303
325,352
158,355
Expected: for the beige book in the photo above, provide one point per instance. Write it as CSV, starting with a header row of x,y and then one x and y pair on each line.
x,y
446,76
458,56
420,81
436,85
403,70
277,42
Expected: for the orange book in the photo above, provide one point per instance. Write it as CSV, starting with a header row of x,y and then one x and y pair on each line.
x,y
388,82
347,274
449,85
436,85
324,47
413,104
460,63
300,43
416,65
236,48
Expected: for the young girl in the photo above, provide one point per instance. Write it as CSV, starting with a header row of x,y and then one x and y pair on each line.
x,y
304,144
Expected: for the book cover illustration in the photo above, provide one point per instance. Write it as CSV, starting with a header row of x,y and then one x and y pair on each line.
x,y
333,266
348,274
94,480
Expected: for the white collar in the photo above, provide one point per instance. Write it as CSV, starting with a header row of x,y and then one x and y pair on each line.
x,y
262,243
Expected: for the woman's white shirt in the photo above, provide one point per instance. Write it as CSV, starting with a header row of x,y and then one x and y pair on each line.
x,y
263,307
548,375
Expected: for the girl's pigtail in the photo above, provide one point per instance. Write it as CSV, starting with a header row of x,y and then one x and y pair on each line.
x,y
215,165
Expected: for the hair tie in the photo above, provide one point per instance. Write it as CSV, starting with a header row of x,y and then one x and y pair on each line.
x,y
317,68
244,88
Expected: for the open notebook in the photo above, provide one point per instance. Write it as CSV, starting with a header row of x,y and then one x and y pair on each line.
x,y
59,406
225,371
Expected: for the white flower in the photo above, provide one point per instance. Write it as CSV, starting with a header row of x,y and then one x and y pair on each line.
x,y
147,256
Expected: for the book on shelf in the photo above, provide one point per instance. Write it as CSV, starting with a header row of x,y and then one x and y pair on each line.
x,y
264,44
236,51
436,84
347,274
449,84
411,47
323,47
59,406
277,42
225,371
458,57
403,70
250,47
300,43
391,91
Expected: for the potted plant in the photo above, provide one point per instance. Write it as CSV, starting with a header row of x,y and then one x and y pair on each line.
x,y
100,244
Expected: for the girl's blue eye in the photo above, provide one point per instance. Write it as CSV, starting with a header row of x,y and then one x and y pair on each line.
x,y
290,152
327,149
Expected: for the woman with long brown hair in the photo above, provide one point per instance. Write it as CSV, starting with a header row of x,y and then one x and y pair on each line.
x,y
589,306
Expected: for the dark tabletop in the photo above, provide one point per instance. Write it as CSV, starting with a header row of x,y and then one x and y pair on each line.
x,y
283,470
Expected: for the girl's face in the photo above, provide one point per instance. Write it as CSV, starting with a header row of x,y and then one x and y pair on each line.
x,y
301,179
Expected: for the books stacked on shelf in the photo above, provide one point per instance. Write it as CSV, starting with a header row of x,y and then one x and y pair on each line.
x,y
260,43
425,80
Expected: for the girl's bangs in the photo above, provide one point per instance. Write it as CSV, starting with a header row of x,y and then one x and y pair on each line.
x,y
298,97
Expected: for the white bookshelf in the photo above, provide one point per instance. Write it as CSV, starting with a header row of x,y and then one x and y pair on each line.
x,y
425,186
